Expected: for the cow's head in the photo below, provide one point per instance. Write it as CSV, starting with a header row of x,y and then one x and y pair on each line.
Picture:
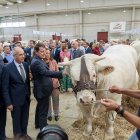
x,y
84,74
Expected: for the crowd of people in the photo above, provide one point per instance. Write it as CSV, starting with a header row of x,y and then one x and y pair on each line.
x,y
37,63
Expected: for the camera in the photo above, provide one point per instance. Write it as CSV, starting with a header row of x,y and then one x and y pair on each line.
x,y
52,132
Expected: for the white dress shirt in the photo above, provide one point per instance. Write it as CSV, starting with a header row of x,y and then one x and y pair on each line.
x,y
18,67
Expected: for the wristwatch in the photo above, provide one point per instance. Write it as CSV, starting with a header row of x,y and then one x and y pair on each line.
x,y
120,110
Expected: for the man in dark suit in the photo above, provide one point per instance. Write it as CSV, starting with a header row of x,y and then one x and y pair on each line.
x,y
2,107
29,51
75,51
87,48
55,52
43,87
16,93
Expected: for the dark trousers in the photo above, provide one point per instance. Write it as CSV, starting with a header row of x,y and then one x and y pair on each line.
x,y
2,122
20,116
41,112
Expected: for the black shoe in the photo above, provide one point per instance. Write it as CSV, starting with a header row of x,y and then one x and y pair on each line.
x,y
56,118
50,118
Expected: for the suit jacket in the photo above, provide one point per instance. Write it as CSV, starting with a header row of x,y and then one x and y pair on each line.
x,y
28,55
56,56
1,66
88,50
76,54
14,89
42,77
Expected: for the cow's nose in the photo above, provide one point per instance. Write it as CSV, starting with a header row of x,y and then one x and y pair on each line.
x,y
81,101
86,100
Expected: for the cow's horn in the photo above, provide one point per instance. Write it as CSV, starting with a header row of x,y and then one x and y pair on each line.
x,y
84,74
67,63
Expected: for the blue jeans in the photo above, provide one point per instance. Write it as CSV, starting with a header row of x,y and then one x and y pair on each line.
x,y
133,136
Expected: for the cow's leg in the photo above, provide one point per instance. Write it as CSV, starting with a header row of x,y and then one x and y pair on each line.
x,y
88,116
88,126
109,130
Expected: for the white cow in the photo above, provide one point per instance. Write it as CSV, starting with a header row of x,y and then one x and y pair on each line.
x,y
117,66
136,45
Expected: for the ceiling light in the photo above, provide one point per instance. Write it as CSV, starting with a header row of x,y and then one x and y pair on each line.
x,y
48,4
9,3
66,15
19,1
124,11
7,7
81,1
89,13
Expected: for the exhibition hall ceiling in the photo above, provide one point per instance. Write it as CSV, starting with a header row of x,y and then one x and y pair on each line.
x,y
10,2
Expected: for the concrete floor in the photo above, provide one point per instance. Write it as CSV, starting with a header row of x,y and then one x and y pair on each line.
x,y
68,114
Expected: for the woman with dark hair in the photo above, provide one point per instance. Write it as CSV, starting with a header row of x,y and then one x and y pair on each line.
x,y
54,98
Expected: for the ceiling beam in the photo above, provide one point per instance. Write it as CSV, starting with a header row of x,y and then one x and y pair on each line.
x,y
11,1
72,10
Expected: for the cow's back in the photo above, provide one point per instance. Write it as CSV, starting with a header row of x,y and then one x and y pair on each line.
x,y
121,52
136,45
124,59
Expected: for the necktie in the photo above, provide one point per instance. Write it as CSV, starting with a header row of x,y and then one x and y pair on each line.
x,y
22,72
53,53
74,54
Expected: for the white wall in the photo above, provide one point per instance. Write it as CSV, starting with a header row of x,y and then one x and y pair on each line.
x,y
53,19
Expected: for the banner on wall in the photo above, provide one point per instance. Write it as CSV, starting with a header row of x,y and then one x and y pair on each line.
x,y
117,27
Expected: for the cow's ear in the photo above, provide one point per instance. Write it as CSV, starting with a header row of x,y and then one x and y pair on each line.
x,y
105,69
99,58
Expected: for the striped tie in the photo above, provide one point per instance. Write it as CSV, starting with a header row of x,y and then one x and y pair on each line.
x,y
22,73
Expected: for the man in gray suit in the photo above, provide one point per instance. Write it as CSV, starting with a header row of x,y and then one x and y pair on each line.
x,y
75,51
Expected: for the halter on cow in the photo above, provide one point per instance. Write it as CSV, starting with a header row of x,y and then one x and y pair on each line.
x,y
85,82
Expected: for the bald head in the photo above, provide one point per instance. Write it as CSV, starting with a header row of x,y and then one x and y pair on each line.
x,y
16,50
19,55
75,44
